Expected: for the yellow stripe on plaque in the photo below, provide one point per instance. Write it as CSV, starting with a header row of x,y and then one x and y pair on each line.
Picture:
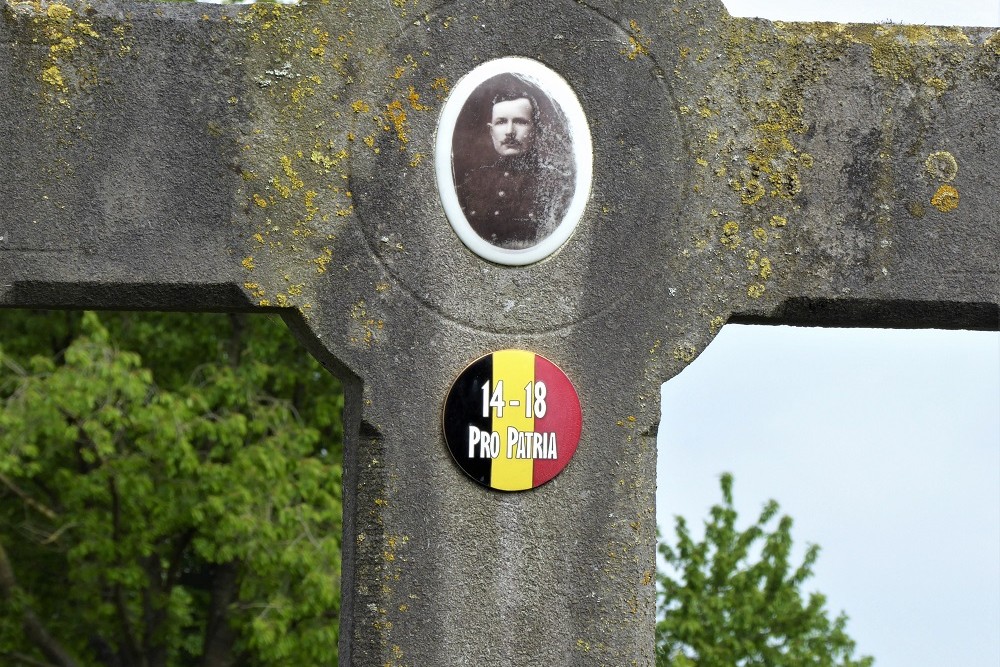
x,y
516,368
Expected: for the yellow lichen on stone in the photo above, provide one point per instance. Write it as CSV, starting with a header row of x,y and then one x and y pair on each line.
x,y
945,199
322,39
755,291
298,118
992,43
256,291
290,173
937,84
765,268
910,52
59,12
773,114
63,47
414,99
53,77
324,161
369,327
304,125
759,265
309,201
685,352
323,260
440,87
751,191
730,235
85,28
397,116
281,188
638,45
125,42
59,27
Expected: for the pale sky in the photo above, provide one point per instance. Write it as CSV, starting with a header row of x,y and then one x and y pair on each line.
x,y
884,446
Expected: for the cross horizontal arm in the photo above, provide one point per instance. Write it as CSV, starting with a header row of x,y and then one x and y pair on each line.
x,y
848,173
117,180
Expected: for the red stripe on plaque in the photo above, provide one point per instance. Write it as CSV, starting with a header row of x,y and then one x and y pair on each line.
x,y
563,417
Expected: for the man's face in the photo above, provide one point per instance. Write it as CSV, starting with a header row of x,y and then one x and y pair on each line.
x,y
512,129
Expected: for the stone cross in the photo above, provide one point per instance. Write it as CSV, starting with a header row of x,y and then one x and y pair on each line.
x,y
282,158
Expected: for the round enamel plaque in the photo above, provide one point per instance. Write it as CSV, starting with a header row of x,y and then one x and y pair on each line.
x,y
512,420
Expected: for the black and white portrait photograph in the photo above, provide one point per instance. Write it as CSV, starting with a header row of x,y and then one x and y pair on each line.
x,y
514,160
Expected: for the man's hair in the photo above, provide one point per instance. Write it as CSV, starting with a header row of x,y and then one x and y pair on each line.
x,y
511,94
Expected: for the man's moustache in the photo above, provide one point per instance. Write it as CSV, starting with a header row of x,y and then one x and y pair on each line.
x,y
511,142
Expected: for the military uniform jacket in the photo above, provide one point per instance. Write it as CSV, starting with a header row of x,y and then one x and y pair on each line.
x,y
505,203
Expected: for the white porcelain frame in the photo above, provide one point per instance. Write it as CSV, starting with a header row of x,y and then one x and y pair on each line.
x,y
562,95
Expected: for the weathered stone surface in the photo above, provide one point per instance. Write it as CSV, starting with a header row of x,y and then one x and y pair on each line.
x,y
277,157
119,178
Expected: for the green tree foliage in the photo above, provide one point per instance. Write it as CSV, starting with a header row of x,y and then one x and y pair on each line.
x,y
734,599
170,492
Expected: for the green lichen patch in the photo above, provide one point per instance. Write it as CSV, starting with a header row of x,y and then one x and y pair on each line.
x,y
746,94
748,117
771,102
912,53
992,43
941,166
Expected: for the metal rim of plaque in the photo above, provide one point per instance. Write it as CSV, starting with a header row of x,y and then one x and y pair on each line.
x,y
512,420
562,151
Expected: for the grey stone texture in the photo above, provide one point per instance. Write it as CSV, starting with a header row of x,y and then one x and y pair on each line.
x,y
281,158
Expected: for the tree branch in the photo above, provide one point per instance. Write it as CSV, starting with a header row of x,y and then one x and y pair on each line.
x,y
33,627
154,602
24,659
235,344
130,647
220,638
28,500
176,560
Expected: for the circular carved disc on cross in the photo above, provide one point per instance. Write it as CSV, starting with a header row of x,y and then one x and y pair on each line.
x,y
636,139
